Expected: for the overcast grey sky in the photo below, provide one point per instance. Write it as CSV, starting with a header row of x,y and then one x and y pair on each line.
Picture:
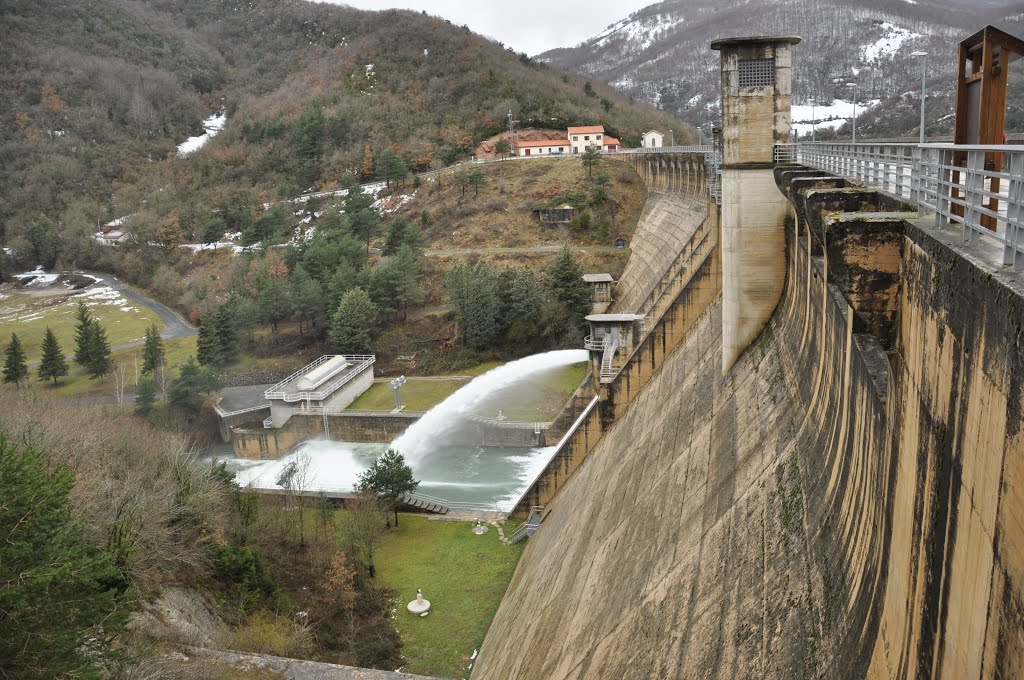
x,y
530,26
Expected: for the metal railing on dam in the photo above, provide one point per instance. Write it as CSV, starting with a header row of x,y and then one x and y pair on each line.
x,y
959,184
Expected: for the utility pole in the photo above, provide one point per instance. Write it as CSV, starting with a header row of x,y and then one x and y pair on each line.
x,y
854,86
922,55
814,120
512,132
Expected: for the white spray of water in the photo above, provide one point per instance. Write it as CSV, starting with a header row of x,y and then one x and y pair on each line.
x,y
428,433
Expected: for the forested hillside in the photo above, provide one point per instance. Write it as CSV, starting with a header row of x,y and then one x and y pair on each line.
x,y
661,54
95,97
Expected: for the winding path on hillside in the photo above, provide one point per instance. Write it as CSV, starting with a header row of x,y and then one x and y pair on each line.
x,y
175,325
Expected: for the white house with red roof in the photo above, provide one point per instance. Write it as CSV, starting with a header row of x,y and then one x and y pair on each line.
x,y
543,147
578,139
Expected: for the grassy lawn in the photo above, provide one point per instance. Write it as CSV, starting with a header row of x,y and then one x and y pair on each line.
x,y
79,384
463,575
418,394
538,399
28,315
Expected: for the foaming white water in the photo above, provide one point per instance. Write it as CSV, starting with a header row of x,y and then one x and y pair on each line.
x,y
429,432
322,466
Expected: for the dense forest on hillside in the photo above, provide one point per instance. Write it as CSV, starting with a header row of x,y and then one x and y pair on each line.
x,y
96,95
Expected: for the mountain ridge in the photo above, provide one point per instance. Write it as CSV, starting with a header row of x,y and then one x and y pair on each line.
x,y
661,53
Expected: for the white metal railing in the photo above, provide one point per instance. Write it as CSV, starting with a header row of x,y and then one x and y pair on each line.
x,y
227,414
608,361
509,424
561,444
596,344
713,162
358,362
452,505
529,527
703,148
957,183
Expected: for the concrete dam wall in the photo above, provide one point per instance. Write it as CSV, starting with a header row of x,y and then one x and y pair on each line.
x,y
846,502
667,223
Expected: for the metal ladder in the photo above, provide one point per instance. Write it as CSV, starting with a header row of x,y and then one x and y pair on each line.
x,y
327,428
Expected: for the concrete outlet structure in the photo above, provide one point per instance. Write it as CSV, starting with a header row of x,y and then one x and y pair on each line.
x,y
756,89
330,383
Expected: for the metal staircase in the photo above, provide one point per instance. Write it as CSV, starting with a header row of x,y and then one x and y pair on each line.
x,y
529,527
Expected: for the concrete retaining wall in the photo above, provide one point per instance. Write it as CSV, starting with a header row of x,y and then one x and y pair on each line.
x,y
272,443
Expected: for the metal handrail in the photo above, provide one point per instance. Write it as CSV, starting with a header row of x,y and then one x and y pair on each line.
x,y
697,148
509,424
608,369
596,344
561,444
955,182
276,392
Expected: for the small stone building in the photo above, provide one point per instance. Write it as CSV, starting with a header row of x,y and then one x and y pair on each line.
x,y
562,214
600,290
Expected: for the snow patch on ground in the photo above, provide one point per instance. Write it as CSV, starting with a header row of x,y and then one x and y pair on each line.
x,y
105,295
41,279
829,116
638,32
212,125
392,204
892,40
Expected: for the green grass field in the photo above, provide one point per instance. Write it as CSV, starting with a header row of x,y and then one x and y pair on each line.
x,y
463,575
418,394
539,400
28,315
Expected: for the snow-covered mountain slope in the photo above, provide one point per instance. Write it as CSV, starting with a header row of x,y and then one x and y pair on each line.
x,y
661,53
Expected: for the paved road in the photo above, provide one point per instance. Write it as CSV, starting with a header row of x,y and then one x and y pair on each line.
x,y
175,324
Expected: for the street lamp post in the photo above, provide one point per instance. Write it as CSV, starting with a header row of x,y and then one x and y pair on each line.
x,y
396,387
814,120
671,138
922,55
854,86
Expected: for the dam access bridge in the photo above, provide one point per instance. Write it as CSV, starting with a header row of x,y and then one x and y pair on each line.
x,y
808,458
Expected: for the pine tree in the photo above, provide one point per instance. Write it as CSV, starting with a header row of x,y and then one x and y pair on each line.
x,y
590,158
15,366
83,327
53,364
152,351
145,396
63,600
390,478
353,323
473,291
192,385
275,301
391,167
208,349
395,237
226,328
565,281
98,350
